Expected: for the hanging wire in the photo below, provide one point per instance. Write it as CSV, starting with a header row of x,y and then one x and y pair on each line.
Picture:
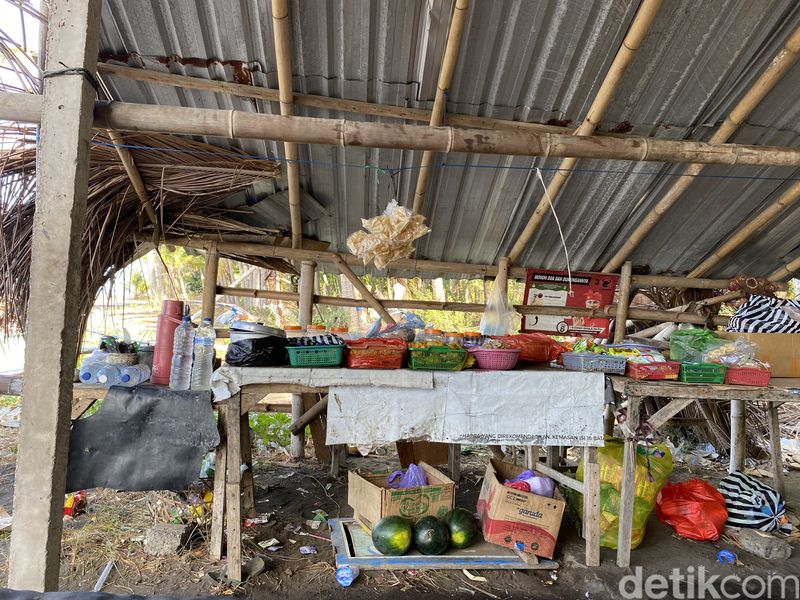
x,y
560,232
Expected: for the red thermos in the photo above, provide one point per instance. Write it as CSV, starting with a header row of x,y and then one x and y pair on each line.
x,y
168,321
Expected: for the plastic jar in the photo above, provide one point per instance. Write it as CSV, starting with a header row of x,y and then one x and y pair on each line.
x,y
431,335
454,338
294,331
472,338
316,330
342,332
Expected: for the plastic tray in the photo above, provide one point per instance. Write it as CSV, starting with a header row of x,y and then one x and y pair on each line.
x,y
653,371
753,377
376,353
315,356
437,358
495,359
589,362
702,373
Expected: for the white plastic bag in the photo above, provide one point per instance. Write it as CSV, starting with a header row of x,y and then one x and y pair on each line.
x,y
499,317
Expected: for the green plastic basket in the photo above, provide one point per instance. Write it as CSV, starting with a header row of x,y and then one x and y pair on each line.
x,y
437,358
702,373
315,356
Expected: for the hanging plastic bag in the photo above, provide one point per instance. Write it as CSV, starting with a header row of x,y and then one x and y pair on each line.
x,y
499,317
413,477
691,345
694,509
389,236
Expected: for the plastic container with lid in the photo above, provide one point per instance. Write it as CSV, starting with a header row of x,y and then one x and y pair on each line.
x,y
453,337
249,330
342,332
315,329
294,331
431,335
472,339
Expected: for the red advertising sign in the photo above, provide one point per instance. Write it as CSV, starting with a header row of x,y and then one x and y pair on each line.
x,y
552,288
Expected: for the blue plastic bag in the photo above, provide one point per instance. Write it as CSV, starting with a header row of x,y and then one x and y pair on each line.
x,y
413,477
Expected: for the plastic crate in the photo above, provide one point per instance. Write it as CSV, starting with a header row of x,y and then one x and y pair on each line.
x,y
376,353
315,356
753,377
589,362
437,358
653,371
495,359
702,373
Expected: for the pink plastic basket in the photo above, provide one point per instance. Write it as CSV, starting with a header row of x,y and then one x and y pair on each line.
x,y
496,359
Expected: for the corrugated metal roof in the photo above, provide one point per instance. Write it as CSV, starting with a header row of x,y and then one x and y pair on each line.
x,y
519,60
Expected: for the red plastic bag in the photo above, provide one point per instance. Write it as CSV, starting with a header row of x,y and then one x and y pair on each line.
x,y
693,508
536,347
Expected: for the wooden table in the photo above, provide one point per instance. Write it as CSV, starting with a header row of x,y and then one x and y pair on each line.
x,y
682,395
234,492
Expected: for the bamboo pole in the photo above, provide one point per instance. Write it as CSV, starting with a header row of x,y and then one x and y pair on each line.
x,y
210,282
363,290
134,175
636,33
787,199
283,56
306,292
782,62
621,320
786,271
442,86
642,314
232,124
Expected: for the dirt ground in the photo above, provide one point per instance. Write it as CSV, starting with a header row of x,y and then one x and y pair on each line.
x,y
114,525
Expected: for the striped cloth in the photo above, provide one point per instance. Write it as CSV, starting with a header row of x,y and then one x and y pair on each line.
x,y
763,314
328,339
754,505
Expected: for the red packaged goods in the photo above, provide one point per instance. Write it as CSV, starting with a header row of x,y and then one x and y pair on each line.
x,y
753,377
536,347
659,370
694,509
381,353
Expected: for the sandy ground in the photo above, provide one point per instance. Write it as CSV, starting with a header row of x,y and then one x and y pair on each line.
x,y
114,523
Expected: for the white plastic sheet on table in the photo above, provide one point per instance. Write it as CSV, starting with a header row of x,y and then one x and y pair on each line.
x,y
536,407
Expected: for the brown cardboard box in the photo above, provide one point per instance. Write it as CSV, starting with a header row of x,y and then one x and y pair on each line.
x,y
516,519
433,453
780,350
371,500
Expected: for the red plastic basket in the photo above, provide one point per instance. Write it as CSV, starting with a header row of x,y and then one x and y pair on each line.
x,y
653,371
368,353
496,359
753,377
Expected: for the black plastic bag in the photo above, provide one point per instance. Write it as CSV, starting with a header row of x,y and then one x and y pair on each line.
x,y
269,351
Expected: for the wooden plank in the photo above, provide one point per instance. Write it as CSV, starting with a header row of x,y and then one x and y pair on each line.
x,y
738,436
220,474
561,478
210,282
80,406
703,391
591,506
317,425
312,408
553,456
454,461
233,489
248,483
668,411
363,290
628,488
775,449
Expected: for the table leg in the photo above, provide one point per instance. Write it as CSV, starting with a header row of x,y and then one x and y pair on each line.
x,y
233,488
628,489
775,447
591,506
531,457
553,456
336,458
317,427
218,505
297,447
608,420
454,461
248,483
738,437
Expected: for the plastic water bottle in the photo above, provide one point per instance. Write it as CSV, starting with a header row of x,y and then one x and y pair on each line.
x,y
180,373
131,376
89,372
203,356
346,575
108,375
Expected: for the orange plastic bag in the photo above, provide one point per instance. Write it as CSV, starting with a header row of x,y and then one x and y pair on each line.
x,y
694,509
536,347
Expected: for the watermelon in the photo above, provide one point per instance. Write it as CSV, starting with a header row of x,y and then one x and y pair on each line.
x,y
463,527
431,535
392,536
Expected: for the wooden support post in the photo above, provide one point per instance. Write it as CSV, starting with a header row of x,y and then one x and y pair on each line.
x,y
220,474
591,506
660,417
531,457
364,291
135,176
454,461
313,409
248,482
298,440
497,452
210,282
620,323
628,488
317,426
738,437
608,420
553,456
306,302
775,448
233,487
55,281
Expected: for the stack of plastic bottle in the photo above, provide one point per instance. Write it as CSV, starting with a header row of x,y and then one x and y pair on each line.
x,y
95,370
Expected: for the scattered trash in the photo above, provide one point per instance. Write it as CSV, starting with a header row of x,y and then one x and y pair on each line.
x,y
726,557
74,504
311,524
5,519
101,581
320,515
303,491
136,538
9,416
308,549
554,575
472,577
292,541
259,519
346,575
463,589
269,544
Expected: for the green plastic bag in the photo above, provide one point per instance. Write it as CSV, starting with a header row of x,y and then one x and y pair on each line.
x,y
691,345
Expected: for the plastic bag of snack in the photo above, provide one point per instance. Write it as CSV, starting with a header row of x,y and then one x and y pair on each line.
x,y
389,236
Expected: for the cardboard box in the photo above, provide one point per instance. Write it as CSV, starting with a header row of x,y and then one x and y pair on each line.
x,y
371,500
517,519
780,350
433,453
